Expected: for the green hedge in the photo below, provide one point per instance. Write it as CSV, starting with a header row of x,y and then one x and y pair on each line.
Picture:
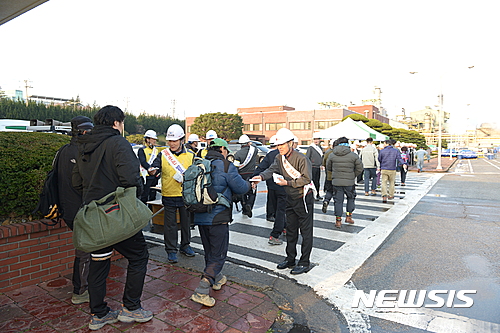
x,y
25,159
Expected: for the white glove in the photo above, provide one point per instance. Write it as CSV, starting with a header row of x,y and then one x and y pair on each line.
x,y
178,177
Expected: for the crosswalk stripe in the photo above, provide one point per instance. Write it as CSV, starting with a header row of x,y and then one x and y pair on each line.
x,y
249,236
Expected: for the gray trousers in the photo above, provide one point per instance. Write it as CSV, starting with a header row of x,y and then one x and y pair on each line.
x,y
338,198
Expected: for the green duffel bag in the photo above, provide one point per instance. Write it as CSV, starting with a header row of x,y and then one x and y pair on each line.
x,y
109,220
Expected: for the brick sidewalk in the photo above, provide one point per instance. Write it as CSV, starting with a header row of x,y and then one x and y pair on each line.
x,y
47,307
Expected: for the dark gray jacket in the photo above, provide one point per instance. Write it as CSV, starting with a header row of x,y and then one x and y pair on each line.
x,y
315,157
344,165
241,155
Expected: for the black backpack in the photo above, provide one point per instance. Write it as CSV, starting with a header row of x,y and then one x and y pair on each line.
x,y
48,204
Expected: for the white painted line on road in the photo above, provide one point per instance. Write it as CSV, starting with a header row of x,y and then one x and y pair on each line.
x,y
470,167
492,164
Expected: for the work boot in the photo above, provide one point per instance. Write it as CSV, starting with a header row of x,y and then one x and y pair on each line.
x,y
348,219
201,293
203,299
338,222
218,284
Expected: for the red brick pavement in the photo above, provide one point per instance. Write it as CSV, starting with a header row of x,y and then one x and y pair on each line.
x,y
47,307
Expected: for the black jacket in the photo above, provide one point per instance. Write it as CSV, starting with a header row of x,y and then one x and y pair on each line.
x,y
69,198
119,166
266,163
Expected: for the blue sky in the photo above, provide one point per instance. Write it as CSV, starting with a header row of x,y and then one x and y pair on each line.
x,y
217,56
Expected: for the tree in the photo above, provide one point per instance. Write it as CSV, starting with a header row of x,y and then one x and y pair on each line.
x,y
135,138
357,117
228,126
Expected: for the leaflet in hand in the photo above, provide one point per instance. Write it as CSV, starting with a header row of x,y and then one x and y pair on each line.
x,y
277,177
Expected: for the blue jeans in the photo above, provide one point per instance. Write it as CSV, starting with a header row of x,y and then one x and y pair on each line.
x,y
420,164
370,173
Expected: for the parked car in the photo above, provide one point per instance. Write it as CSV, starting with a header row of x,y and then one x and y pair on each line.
x,y
261,151
255,143
302,149
446,153
467,153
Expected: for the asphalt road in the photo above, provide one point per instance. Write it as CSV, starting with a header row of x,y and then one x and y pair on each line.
x,y
441,232
448,241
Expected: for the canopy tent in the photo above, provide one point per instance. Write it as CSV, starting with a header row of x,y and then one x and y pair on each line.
x,y
352,130
377,136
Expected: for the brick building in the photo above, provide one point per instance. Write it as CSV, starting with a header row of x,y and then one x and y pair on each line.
x,y
260,123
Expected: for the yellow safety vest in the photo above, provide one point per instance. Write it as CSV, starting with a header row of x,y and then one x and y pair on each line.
x,y
169,186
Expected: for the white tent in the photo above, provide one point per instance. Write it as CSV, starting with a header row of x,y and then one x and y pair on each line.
x,y
377,136
351,130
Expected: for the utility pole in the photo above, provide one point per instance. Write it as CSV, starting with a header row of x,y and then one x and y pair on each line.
x,y
173,108
26,86
440,126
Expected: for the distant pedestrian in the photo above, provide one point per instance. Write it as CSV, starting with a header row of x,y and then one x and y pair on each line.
x,y
403,169
345,167
327,186
209,137
192,143
71,201
421,155
371,165
292,170
214,225
146,157
315,154
388,158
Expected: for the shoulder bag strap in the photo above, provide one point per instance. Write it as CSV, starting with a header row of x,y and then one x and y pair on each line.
x,y
99,159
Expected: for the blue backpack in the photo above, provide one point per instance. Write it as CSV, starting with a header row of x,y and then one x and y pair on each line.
x,y
198,192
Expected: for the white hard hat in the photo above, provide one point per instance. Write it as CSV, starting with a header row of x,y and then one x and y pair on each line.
x,y
272,140
211,134
174,132
283,135
295,139
193,137
244,139
150,134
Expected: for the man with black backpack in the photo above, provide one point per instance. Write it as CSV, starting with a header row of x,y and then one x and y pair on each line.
x,y
70,201
213,225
